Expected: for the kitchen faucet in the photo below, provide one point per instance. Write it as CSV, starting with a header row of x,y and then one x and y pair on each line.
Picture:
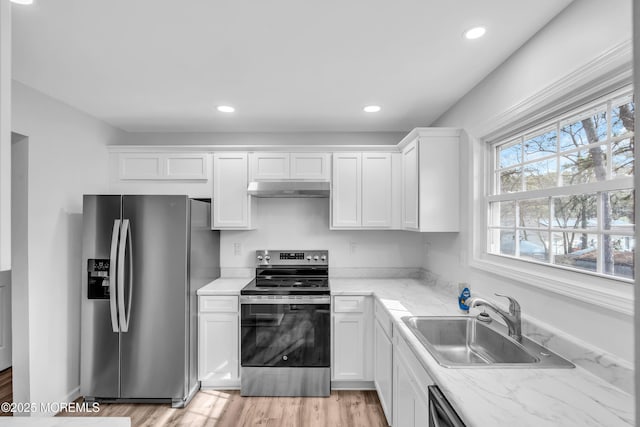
x,y
512,318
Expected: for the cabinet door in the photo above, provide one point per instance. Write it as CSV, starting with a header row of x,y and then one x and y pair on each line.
x,y
404,397
231,203
383,369
410,186
348,346
312,166
346,197
376,190
218,347
185,166
266,166
140,166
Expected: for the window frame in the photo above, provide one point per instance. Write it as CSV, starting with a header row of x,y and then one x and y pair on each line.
x,y
609,72
494,194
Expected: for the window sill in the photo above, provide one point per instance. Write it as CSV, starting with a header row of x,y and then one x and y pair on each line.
x,y
603,292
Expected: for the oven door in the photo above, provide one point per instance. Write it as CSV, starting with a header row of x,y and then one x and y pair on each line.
x,y
285,331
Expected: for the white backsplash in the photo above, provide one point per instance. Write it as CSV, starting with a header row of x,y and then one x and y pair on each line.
x,y
304,224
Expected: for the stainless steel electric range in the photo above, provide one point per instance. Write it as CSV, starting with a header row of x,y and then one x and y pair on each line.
x,y
285,316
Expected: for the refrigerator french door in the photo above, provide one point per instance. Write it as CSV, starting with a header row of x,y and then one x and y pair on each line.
x,y
144,258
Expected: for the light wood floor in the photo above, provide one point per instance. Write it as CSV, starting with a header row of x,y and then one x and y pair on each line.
x,y
229,409
6,389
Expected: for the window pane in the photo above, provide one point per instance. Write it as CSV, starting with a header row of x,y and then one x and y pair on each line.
x,y
584,166
534,245
575,249
575,211
623,248
507,242
510,180
584,131
541,145
534,213
503,214
622,120
509,155
622,157
541,174
618,210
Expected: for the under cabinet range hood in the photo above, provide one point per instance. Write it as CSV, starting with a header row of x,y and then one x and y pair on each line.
x,y
289,188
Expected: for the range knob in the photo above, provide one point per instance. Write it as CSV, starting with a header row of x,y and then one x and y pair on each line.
x,y
323,257
259,257
316,258
267,257
308,257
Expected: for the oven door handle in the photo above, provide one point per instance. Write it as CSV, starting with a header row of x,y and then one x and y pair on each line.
x,y
279,300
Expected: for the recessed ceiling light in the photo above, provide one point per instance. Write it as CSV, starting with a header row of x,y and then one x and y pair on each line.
x,y
371,108
475,33
22,1
226,109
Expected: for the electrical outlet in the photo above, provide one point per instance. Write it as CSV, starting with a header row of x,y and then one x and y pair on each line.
x,y
237,249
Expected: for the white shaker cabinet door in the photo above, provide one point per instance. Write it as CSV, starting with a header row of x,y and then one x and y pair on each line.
x,y
269,166
218,347
383,369
231,202
310,166
410,195
346,195
376,190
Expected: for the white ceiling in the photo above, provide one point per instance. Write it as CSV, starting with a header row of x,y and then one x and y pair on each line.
x,y
286,65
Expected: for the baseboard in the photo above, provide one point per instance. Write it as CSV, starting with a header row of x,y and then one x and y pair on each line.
x,y
352,385
220,385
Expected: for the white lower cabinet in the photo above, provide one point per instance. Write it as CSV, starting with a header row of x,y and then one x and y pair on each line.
x,y
352,339
410,382
383,370
218,341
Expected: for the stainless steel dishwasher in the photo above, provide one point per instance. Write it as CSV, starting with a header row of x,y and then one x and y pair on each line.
x,y
441,413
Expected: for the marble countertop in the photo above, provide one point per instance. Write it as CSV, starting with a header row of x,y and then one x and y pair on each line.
x,y
485,397
224,286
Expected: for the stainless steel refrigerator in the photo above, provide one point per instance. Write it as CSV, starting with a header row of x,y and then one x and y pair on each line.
x,y
143,259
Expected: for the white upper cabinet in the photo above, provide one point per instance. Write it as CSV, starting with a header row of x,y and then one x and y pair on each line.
x,y
160,172
265,166
312,166
430,180
232,205
365,187
162,166
376,190
346,194
296,166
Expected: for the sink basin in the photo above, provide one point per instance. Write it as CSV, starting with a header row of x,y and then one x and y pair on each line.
x,y
464,342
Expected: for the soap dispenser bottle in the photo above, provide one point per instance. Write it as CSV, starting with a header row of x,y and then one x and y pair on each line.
x,y
463,295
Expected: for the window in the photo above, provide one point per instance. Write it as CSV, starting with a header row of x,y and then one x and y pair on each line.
x,y
562,193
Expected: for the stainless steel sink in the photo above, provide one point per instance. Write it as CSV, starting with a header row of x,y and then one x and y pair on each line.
x,y
464,342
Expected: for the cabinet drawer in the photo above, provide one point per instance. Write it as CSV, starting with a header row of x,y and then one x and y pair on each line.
x,y
383,318
218,303
353,304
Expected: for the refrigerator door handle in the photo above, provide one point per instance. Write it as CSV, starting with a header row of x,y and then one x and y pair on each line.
x,y
113,279
125,236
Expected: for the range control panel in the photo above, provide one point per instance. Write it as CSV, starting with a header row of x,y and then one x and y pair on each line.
x,y
296,257
98,278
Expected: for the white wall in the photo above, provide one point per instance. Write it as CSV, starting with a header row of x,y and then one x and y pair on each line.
x,y
304,224
67,158
5,135
582,32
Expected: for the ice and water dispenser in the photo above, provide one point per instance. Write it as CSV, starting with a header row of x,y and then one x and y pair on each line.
x,y
98,272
